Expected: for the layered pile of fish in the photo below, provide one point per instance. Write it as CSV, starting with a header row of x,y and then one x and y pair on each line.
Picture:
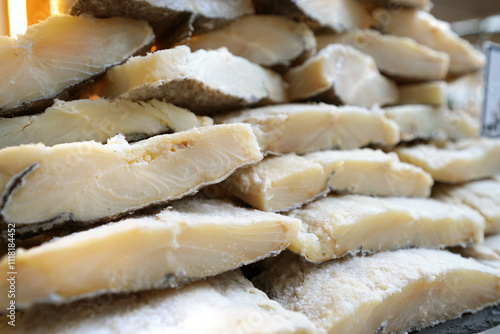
x,y
245,167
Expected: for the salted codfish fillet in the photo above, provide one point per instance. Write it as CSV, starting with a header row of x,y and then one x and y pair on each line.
x,y
388,292
78,183
455,162
426,29
341,74
482,195
172,20
422,4
335,226
99,120
419,121
302,128
336,15
393,55
266,40
279,183
372,172
432,93
192,239
48,62
202,81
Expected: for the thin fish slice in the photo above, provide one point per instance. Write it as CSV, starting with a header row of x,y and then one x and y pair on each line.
x,y
483,196
303,128
418,121
432,93
335,226
99,120
399,57
48,62
266,40
320,15
202,81
388,292
461,161
187,241
422,4
341,74
79,183
172,20
372,172
427,30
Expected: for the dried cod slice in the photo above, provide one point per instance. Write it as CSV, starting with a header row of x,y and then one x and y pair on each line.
x,y
483,196
461,161
202,81
399,57
98,120
427,30
228,303
302,128
172,20
279,183
467,94
388,292
79,183
372,172
267,40
48,62
336,15
418,121
340,73
433,93
422,4
187,241
335,226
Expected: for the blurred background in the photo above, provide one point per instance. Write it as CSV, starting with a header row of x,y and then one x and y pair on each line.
x,y
475,20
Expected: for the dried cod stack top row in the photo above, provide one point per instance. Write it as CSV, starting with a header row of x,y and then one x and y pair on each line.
x,y
333,144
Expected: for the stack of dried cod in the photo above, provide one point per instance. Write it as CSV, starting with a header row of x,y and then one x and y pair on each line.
x,y
333,142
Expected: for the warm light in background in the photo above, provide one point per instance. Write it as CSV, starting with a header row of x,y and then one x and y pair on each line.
x,y
18,17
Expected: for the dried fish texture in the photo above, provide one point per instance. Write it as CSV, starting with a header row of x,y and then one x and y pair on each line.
x,y
98,120
398,57
48,62
388,292
202,81
303,128
335,226
433,93
189,240
341,74
267,40
80,183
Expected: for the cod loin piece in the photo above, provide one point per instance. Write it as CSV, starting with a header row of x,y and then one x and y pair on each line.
x,y
333,15
341,74
99,120
426,29
202,81
48,62
433,93
172,20
388,292
482,195
335,226
79,183
455,162
418,121
267,40
399,57
189,240
303,128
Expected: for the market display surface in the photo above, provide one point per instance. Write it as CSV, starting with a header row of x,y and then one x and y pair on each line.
x,y
244,166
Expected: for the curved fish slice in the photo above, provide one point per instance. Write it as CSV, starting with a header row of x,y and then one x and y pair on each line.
x,y
48,61
99,120
79,183
388,292
189,240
